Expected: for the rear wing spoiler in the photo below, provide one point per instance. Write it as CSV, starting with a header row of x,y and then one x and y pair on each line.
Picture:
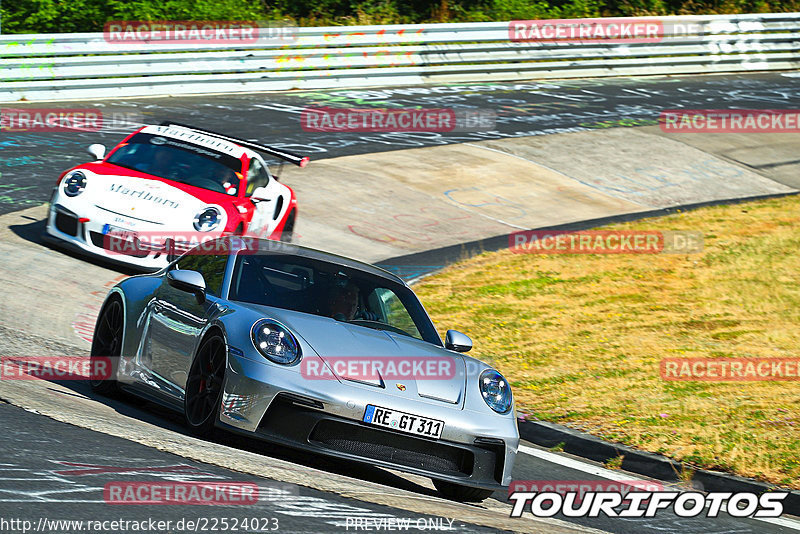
x,y
300,161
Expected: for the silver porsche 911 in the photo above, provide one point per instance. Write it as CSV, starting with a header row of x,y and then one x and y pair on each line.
x,y
313,351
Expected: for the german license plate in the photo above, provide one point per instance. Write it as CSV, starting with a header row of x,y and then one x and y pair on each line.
x,y
404,422
119,233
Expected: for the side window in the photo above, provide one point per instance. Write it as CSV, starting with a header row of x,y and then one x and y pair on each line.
x,y
257,176
394,311
211,267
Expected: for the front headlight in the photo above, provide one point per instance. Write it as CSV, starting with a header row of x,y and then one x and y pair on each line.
x,y
207,220
275,342
74,184
496,391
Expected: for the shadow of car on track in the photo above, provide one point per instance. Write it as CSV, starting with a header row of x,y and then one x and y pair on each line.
x,y
33,232
129,406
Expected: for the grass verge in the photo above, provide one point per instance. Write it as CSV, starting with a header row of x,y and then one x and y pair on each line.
x,y
580,337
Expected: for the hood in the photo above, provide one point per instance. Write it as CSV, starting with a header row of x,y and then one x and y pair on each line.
x,y
146,200
400,365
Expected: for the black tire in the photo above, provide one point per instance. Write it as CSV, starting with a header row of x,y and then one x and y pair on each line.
x,y
288,229
107,343
203,392
457,492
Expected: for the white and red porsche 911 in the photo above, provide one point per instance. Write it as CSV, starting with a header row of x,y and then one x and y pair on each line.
x,y
163,189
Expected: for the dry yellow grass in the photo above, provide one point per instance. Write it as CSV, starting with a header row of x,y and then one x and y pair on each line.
x,y
580,337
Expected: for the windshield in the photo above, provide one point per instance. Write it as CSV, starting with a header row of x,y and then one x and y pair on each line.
x,y
321,288
179,161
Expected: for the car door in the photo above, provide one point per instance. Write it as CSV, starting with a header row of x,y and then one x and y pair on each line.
x,y
176,320
270,204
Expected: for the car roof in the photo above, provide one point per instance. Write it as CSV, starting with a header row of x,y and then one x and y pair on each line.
x,y
269,246
199,138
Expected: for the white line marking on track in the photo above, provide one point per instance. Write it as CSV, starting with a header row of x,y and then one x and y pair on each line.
x,y
577,464
609,474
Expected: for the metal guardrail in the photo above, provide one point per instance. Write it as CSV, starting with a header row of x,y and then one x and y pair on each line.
x,y
86,65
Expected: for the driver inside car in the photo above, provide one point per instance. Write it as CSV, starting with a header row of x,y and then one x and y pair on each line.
x,y
344,304
226,178
161,164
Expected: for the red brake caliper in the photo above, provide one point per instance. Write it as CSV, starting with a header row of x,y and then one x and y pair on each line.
x,y
203,381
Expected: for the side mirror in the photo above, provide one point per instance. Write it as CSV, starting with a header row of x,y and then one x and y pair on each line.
x,y
455,340
97,150
189,281
260,194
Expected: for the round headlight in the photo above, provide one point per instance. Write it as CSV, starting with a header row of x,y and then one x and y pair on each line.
x,y
496,391
74,184
207,220
275,342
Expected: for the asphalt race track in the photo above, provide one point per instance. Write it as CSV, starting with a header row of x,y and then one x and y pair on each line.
x,y
54,471
30,161
57,454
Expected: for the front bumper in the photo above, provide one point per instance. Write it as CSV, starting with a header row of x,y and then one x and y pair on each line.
x,y
292,424
65,228
324,417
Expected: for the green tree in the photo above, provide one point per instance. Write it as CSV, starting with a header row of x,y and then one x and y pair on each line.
x,y
185,10
65,16
53,16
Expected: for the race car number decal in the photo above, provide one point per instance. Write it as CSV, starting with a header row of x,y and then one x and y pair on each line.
x,y
404,422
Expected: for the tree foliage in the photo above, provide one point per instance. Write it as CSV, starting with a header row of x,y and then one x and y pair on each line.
x,y
64,16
